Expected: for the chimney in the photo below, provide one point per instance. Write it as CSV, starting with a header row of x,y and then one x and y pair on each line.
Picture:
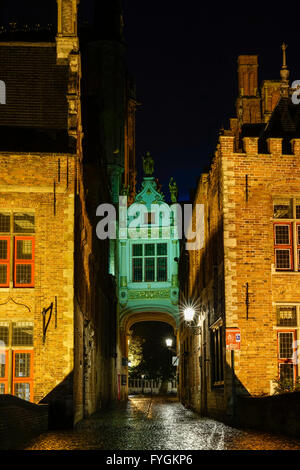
x,y
248,102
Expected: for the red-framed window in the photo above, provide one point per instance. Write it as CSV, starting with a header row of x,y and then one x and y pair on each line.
x,y
4,261
3,371
24,262
283,244
298,244
287,351
23,374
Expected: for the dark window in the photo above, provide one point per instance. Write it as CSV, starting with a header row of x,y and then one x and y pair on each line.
x,y
149,262
23,223
286,343
286,316
22,334
282,235
137,269
4,331
283,247
4,223
161,269
137,250
286,352
149,269
286,372
217,356
161,249
282,211
150,249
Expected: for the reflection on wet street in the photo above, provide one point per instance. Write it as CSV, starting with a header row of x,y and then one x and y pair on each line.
x,y
157,424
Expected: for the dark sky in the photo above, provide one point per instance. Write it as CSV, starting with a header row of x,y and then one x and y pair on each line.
x,y
183,55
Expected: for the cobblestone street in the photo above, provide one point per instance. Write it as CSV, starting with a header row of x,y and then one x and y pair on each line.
x,y
157,424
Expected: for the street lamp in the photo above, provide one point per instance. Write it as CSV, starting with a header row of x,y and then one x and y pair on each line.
x,y
169,343
189,315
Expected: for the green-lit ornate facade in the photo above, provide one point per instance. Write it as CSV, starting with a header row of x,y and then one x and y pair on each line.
x,y
148,255
148,271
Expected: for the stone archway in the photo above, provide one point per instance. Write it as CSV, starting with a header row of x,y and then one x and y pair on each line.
x,y
137,317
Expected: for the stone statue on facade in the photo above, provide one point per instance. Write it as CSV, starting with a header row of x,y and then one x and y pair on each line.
x,y
148,165
173,190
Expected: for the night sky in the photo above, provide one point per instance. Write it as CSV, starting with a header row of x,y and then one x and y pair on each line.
x,y
183,55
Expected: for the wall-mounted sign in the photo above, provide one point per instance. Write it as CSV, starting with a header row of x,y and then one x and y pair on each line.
x,y
233,339
175,361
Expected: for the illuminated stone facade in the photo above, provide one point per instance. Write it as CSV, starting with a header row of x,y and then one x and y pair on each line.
x,y
57,301
247,275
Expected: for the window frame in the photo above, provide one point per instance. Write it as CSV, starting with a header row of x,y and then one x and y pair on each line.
x,y
279,247
217,356
285,306
4,380
143,258
133,268
281,360
18,380
19,262
298,243
7,261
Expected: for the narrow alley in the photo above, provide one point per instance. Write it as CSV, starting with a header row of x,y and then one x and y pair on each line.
x,y
159,423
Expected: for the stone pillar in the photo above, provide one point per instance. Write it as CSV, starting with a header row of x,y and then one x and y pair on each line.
x,y
123,265
174,254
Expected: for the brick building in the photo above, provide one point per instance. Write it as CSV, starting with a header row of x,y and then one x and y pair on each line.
x,y
246,277
109,107
57,300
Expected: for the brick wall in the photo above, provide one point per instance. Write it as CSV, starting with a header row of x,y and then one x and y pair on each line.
x,y
246,184
20,421
251,244
278,414
27,185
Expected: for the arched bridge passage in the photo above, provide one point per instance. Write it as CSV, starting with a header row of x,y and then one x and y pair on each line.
x,y
138,317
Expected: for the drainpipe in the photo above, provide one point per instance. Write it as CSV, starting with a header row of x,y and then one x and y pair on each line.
x,y
233,389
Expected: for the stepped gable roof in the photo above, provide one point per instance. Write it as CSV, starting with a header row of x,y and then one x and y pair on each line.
x,y
36,109
284,123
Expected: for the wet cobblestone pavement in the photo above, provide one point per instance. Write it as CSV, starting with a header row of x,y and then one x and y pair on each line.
x,y
158,424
